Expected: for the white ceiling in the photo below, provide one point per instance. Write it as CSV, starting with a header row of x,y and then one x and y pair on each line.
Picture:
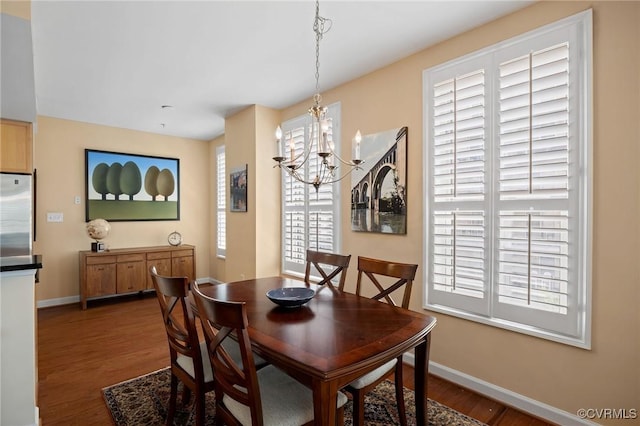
x,y
116,63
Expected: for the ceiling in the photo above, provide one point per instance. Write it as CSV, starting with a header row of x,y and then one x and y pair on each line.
x,y
116,63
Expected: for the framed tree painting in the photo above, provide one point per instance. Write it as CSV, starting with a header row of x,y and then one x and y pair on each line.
x,y
131,187
238,190
379,187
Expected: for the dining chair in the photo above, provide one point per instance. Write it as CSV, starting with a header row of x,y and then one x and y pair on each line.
x,y
380,274
338,263
243,394
189,359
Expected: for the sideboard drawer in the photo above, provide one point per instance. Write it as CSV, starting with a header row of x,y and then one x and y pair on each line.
x,y
182,253
100,260
159,255
134,257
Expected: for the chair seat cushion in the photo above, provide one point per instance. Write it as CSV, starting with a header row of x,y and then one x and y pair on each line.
x,y
285,401
229,345
187,363
374,375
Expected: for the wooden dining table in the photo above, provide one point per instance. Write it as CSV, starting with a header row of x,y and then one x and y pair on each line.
x,y
333,339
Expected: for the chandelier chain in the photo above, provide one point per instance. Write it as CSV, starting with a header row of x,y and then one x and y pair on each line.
x,y
319,28
319,140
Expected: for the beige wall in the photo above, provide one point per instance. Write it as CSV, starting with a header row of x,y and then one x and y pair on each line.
x,y
241,226
608,376
21,9
267,185
60,165
253,237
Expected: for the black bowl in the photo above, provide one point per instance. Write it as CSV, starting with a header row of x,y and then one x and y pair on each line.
x,y
291,297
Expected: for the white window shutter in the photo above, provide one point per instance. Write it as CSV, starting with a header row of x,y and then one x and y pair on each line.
x,y
309,216
221,214
507,187
534,125
533,260
458,138
459,252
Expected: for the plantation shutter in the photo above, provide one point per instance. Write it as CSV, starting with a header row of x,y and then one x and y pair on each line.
x,y
458,142
309,217
533,175
508,183
221,214
458,223
321,210
534,125
295,227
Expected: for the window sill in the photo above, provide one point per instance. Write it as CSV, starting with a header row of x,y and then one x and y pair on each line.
x,y
582,343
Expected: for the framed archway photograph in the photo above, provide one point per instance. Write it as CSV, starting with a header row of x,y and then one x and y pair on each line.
x,y
379,186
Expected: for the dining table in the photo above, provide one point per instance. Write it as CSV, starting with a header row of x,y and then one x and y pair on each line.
x,y
332,339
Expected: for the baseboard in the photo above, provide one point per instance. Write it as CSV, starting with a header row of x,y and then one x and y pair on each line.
x,y
505,396
76,299
57,302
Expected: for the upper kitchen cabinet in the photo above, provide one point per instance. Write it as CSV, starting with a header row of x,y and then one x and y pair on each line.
x,y
16,147
18,95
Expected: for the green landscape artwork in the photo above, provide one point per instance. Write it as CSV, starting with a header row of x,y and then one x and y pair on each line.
x,y
130,187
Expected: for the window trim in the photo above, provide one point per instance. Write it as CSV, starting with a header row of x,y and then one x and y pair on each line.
x,y
582,339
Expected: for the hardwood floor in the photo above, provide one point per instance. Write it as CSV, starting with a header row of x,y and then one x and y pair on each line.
x,y
81,352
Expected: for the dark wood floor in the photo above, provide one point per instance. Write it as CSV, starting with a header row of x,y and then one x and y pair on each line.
x,y
81,352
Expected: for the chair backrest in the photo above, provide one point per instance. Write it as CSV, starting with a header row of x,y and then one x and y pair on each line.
x,y
178,318
340,264
221,320
375,268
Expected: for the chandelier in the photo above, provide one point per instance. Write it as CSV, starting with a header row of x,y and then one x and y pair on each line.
x,y
318,148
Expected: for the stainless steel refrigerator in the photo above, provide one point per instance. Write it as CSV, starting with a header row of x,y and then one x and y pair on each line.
x,y
16,214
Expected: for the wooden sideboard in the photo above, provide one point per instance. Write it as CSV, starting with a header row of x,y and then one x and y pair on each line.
x,y
124,271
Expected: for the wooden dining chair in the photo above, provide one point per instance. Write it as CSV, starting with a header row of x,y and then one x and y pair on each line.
x,y
321,261
189,359
380,274
245,395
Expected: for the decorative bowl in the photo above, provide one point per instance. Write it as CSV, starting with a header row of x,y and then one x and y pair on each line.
x,y
291,297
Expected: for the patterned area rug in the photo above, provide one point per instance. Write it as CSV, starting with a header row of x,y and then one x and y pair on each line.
x,y
143,401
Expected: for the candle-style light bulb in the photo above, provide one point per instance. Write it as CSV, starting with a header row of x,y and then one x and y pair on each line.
x,y
331,152
292,147
323,148
356,140
278,151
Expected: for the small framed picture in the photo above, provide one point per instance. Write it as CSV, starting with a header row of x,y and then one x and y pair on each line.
x,y
238,193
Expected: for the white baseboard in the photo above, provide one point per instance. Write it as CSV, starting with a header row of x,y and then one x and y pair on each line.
x,y
57,302
76,299
505,396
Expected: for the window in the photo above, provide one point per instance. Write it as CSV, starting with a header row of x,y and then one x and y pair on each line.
x,y
310,218
507,149
221,207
